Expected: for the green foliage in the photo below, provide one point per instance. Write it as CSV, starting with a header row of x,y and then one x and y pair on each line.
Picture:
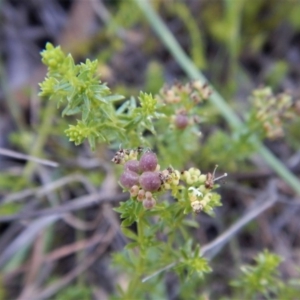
x,y
76,291
10,208
268,117
154,254
293,134
10,182
192,262
220,145
172,118
2,289
181,10
154,77
168,122
161,236
124,16
263,279
174,143
269,113
79,87
159,243
128,211
236,28
276,73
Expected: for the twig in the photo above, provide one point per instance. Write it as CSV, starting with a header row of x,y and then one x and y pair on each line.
x,y
63,252
79,224
85,264
18,155
77,246
33,270
39,192
212,249
76,204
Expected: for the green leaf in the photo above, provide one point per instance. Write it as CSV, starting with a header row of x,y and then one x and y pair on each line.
x,y
92,142
63,86
113,98
123,108
131,245
100,98
127,222
149,125
69,111
85,113
131,125
190,223
129,233
87,102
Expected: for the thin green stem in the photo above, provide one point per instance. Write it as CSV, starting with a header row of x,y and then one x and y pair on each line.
x,y
140,232
191,70
136,279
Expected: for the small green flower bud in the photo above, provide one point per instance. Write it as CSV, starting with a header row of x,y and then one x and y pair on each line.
x,y
167,186
202,178
194,171
190,180
206,199
202,188
184,175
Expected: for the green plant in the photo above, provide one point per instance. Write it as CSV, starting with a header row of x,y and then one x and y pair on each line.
x,y
268,117
156,137
148,178
263,279
163,199
229,115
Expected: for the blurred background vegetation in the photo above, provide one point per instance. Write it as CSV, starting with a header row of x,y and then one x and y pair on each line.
x,y
239,45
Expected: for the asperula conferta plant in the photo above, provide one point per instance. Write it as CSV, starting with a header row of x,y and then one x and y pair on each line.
x,y
184,98
144,180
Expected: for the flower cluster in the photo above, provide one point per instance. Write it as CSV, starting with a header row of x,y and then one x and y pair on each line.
x,y
184,98
271,110
140,176
143,178
200,188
